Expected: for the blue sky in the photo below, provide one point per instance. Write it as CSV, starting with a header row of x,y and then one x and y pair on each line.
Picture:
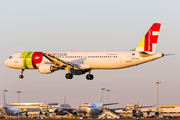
x,y
90,25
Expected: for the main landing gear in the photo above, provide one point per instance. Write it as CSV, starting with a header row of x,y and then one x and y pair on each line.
x,y
69,76
89,77
21,76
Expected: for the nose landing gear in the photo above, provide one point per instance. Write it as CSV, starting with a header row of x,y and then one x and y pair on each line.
x,y
21,76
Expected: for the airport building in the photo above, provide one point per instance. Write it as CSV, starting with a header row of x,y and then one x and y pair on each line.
x,y
165,111
170,110
32,106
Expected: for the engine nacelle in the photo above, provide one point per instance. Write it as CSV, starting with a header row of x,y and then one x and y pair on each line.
x,y
41,112
134,111
46,114
27,114
75,113
58,111
47,68
15,113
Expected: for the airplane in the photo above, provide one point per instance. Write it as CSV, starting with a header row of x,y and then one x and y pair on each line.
x,y
13,111
138,113
87,108
81,62
93,108
64,109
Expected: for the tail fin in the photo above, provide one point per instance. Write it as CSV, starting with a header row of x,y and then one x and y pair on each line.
x,y
100,95
148,43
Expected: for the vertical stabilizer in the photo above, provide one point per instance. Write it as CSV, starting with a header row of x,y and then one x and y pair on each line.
x,y
100,95
149,41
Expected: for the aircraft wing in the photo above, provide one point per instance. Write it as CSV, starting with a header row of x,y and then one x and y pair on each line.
x,y
77,64
30,111
146,106
110,104
118,109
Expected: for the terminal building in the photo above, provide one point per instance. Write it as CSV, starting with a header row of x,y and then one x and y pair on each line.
x,y
165,111
38,106
171,110
33,106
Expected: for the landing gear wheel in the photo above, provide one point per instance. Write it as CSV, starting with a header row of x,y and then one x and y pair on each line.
x,y
21,76
89,77
69,76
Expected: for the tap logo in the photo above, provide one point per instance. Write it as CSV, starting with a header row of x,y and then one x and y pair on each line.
x,y
31,59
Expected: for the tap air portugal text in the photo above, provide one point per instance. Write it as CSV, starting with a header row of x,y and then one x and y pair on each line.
x,y
80,62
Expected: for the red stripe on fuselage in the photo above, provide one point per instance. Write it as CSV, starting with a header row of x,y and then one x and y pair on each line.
x,y
37,58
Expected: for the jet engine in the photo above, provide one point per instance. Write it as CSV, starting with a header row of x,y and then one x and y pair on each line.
x,y
137,113
41,112
15,113
58,111
27,114
47,68
46,114
75,113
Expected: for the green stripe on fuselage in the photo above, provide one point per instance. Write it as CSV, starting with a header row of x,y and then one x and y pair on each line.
x,y
23,55
27,59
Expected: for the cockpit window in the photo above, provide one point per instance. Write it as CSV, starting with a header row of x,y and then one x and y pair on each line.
x,y
10,57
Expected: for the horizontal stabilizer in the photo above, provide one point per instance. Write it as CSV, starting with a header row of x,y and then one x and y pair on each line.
x,y
169,54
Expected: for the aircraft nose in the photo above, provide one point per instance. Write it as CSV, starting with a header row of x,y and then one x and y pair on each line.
x,y
7,63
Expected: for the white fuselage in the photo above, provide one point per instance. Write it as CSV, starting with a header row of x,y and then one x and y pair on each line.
x,y
92,108
94,59
96,108
11,111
